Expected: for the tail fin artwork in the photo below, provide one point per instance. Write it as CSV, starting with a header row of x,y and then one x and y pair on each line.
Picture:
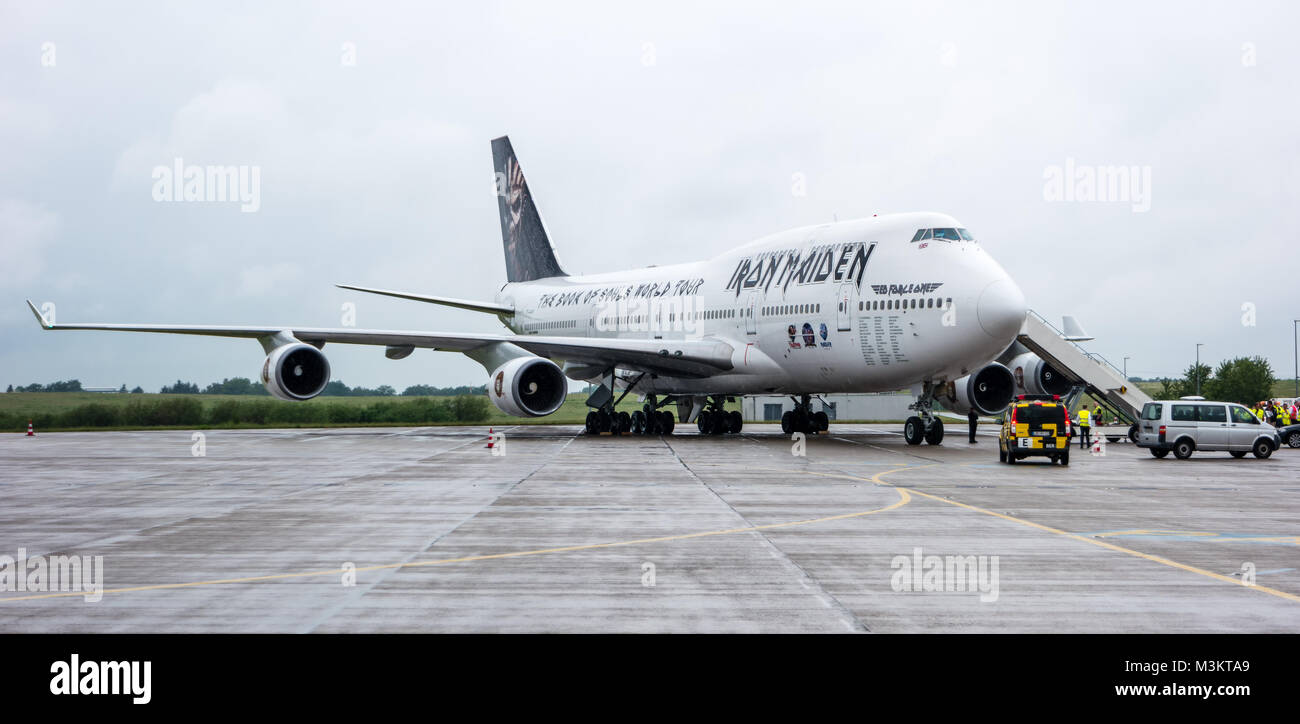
x,y
529,254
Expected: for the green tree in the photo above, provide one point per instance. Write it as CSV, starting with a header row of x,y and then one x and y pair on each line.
x,y
1246,380
1190,377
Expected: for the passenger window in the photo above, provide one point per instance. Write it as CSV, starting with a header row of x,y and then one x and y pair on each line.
x,y
1212,413
1183,413
1242,415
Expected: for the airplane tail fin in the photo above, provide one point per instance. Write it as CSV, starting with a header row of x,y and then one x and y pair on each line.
x,y
529,254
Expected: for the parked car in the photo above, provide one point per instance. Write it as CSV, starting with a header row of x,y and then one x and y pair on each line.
x,y
1186,426
1290,435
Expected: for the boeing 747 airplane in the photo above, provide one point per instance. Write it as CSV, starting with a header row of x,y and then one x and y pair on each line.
x,y
877,304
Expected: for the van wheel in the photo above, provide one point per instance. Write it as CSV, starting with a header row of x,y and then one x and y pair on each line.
x,y
1239,454
1183,449
1262,449
1159,453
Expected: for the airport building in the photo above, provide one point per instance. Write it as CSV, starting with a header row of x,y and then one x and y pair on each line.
x,y
863,406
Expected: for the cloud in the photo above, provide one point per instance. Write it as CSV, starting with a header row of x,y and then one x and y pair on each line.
x,y
25,230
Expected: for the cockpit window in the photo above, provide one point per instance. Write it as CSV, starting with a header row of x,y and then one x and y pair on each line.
x,y
946,234
965,235
919,234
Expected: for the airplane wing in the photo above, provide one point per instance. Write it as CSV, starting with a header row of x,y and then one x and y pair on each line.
x,y
471,305
683,358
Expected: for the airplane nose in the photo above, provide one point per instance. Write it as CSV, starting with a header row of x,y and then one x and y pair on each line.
x,y
1001,309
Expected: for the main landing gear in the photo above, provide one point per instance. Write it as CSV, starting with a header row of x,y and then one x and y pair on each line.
x,y
803,419
715,419
925,425
649,420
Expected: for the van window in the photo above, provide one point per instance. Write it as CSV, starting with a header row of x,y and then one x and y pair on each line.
x,y
1183,413
1212,413
1242,415
1151,411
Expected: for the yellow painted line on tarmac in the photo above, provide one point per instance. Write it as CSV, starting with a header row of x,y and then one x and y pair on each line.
x,y
904,497
1091,541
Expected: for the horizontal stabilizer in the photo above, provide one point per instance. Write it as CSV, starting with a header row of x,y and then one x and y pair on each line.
x,y
473,306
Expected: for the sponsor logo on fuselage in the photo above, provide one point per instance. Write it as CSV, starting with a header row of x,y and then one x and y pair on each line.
x,y
816,265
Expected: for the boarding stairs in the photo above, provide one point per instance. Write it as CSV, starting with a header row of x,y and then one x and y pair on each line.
x,y
1090,372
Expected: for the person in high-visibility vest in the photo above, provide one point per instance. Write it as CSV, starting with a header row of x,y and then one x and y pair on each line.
x,y
1085,427
1285,412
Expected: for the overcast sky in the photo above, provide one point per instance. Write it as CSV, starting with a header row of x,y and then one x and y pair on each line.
x,y
650,133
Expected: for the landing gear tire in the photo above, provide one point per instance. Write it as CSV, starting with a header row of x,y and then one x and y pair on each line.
x,y
913,430
737,421
1159,453
665,423
934,435
593,423
822,421
638,423
787,422
1262,449
624,423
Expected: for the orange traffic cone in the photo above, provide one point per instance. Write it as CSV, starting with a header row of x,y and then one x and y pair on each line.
x,y
30,432
491,438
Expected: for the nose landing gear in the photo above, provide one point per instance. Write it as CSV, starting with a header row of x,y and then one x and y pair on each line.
x,y
925,425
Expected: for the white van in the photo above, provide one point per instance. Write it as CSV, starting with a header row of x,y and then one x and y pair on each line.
x,y
1185,426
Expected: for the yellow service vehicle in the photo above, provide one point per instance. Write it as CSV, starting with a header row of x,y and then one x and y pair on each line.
x,y
1035,425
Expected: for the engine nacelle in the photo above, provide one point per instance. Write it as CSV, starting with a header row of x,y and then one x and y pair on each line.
x,y
295,371
988,391
528,387
1035,377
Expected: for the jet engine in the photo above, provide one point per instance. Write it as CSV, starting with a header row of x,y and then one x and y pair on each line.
x,y
528,387
1035,377
988,391
295,371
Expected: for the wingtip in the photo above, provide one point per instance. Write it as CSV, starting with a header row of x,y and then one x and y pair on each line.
x,y
39,317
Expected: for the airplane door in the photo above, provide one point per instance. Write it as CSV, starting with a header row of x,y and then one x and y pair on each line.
x,y
844,309
751,314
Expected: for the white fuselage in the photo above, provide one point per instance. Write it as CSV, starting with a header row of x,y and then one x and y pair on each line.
x,y
853,306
